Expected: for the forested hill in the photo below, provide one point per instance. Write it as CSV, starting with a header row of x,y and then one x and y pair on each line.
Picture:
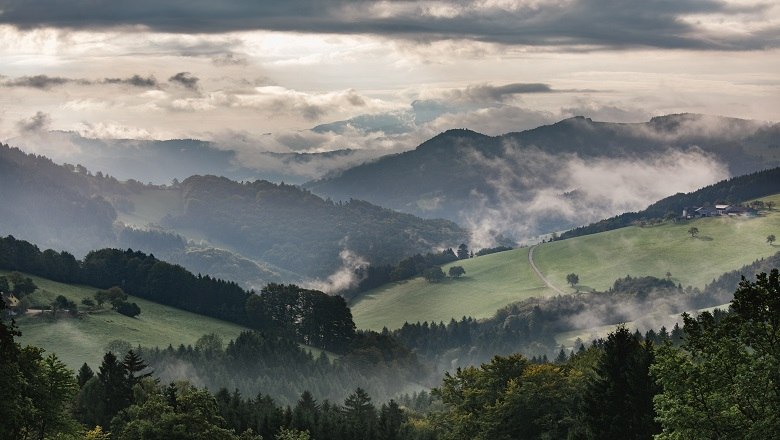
x,y
461,171
54,205
301,315
256,232
730,191
299,231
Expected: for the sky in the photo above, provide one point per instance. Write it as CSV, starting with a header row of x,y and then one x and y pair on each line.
x,y
377,75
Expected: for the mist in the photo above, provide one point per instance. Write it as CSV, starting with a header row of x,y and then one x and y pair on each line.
x,y
534,190
344,278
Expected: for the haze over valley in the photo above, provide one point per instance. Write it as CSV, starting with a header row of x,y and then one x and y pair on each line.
x,y
387,220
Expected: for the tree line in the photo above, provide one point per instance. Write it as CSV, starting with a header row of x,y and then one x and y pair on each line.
x,y
308,316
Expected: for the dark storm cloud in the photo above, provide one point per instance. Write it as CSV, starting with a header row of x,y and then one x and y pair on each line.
x,y
40,121
185,79
42,82
566,23
487,92
135,80
45,82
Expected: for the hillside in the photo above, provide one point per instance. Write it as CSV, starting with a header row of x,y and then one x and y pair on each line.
x,y
465,176
161,161
84,339
254,232
490,282
599,259
730,191
723,244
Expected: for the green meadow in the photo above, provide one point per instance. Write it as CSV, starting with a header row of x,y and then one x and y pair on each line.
x,y
490,282
493,281
723,244
81,339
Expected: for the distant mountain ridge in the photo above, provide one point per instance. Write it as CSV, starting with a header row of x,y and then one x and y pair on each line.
x,y
253,232
461,170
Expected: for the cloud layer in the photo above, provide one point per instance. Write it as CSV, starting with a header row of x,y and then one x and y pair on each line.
x,y
572,23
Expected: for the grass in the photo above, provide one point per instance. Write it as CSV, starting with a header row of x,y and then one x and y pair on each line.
x,y
83,339
723,244
491,281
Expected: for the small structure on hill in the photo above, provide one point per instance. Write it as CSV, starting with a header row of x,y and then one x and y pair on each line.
x,y
717,211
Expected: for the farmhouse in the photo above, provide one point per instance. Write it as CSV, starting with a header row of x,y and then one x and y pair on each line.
x,y
718,210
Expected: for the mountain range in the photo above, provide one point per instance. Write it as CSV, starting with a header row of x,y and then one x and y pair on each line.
x,y
561,175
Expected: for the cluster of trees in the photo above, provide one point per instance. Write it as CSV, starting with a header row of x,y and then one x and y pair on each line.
x,y
493,250
305,315
731,191
374,276
603,392
118,300
720,382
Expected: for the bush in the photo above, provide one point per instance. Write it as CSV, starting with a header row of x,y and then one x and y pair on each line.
x,y
128,309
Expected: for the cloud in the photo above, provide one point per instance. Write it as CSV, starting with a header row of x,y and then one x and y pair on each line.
x,y
135,80
43,82
533,189
186,80
111,130
345,277
582,24
39,122
491,93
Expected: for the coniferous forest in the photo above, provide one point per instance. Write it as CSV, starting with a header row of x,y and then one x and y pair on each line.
x,y
623,386
263,384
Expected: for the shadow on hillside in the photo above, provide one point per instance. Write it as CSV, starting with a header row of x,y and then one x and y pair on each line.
x,y
704,238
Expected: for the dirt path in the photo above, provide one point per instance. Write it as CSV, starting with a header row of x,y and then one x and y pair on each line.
x,y
539,273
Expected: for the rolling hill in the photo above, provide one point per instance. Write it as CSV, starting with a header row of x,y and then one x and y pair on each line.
x,y
84,339
253,232
723,244
465,176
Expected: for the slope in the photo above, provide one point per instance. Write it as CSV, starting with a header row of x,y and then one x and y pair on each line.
x,y
84,338
463,175
723,244
490,282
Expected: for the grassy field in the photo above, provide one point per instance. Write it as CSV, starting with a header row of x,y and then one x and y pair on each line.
x,y
491,282
83,339
723,244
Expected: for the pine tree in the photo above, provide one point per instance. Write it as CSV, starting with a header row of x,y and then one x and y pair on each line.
x,y
133,365
390,420
618,400
114,382
360,415
85,374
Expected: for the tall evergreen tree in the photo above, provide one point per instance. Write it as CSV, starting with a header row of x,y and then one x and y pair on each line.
x,y
134,365
113,378
618,399
360,415
85,373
